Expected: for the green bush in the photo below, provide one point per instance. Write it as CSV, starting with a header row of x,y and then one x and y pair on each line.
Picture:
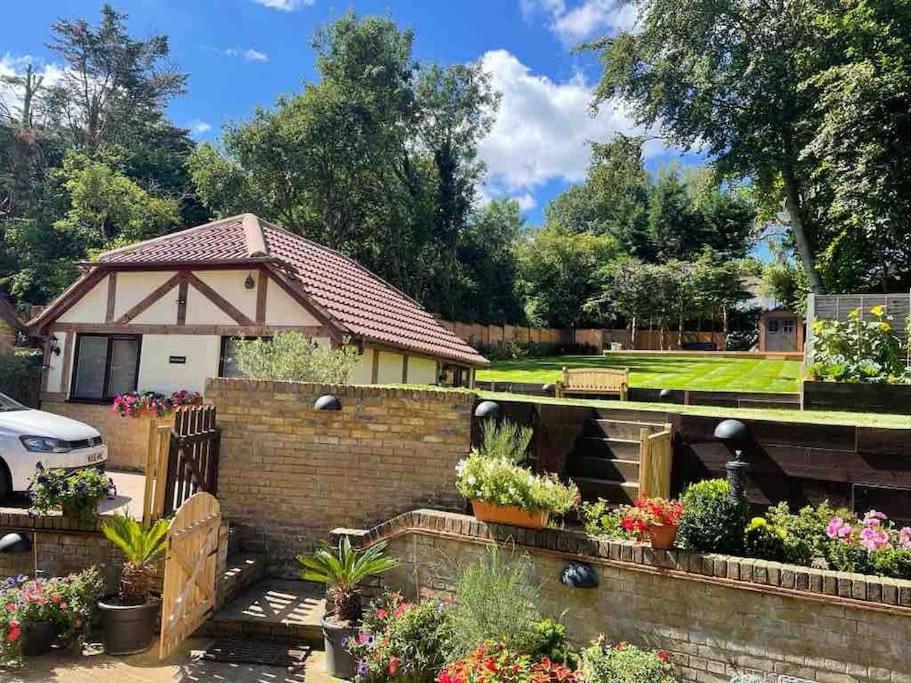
x,y
497,601
625,663
712,521
858,350
20,372
805,538
601,521
549,642
765,540
294,357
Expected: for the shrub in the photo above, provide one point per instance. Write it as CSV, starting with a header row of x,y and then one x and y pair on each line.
x,y
601,521
872,545
765,540
858,350
805,538
549,642
496,601
402,640
712,521
20,372
76,494
497,663
507,441
625,663
141,547
292,356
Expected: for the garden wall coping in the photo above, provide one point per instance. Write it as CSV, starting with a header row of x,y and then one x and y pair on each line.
x,y
858,590
428,393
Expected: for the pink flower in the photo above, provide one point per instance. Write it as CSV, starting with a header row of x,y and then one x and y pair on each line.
x,y
904,537
838,529
874,518
874,538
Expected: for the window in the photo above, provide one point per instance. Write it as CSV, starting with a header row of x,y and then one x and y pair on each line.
x,y
227,364
788,326
105,366
773,326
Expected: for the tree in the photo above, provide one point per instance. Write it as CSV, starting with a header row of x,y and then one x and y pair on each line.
x,y
728,76
559,272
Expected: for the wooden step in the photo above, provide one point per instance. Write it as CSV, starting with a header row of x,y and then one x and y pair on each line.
x,y
600,447
619,429
620,492
616,469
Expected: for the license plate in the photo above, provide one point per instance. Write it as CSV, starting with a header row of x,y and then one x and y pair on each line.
x,y
95,457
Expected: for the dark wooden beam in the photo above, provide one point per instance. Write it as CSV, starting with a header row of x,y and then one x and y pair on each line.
x,y
262,290
66,370
219,330
182,291
150,299
375,371
112,297
66,300
226,306
405,369
314,309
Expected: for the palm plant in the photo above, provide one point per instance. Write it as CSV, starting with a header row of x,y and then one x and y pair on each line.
x,y
140,547
342,569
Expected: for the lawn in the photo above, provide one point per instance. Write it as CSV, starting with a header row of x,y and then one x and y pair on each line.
x,y
660,372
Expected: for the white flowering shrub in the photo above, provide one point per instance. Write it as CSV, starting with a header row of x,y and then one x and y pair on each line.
x,y
294,357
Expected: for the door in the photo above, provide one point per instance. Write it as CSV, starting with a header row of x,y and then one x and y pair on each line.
x,y
773,334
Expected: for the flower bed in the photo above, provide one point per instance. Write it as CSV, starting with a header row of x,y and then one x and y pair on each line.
x,y
153,404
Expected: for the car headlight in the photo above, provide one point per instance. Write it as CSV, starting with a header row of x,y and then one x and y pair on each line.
x,y
45,444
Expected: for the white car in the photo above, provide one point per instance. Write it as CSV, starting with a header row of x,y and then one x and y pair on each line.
x,y
28,437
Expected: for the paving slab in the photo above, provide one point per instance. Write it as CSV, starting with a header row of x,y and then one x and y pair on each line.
x,y
274,608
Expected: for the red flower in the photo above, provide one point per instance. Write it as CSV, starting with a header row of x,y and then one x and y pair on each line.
x,y
393,667
490,665
664,656
381,613
618,647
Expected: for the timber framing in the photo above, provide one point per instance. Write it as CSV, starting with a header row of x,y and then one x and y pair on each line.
x,y
251,330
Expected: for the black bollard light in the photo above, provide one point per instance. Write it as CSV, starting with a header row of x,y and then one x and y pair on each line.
x,y
487,410
327,402
579,575
735,437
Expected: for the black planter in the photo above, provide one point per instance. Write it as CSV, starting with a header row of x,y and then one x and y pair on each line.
x,y
128,629
37,637
339,662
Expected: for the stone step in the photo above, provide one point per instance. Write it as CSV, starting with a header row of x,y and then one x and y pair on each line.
x,y
620,429
242,571
273,608
617,492
616,469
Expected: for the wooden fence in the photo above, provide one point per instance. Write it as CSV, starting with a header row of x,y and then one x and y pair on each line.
x,y
181,461
600,339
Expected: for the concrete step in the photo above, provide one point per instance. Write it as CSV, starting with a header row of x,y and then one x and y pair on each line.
x,y
620,429
616,469
273,608
242,571
601,447
617,492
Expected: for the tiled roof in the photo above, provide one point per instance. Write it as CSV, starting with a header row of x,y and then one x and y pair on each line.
x,y
353,297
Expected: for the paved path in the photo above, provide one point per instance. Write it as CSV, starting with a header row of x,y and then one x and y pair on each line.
x,y
146,668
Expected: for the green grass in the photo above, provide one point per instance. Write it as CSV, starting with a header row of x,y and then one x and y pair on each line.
x,y
774,414
660,372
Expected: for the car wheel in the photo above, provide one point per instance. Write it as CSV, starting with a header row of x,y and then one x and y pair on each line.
x,y
6,482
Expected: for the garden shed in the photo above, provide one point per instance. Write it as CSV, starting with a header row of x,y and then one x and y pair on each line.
x,y
162,315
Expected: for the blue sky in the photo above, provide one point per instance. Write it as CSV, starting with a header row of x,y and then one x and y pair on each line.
x,y
241,54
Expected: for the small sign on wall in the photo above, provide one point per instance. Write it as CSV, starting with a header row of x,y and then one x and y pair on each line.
x,y
177,360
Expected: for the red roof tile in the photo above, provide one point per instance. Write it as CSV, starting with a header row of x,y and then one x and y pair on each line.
x,y
351,295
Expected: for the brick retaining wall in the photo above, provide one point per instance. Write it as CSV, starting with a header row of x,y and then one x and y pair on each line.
x,y
290,473
718,616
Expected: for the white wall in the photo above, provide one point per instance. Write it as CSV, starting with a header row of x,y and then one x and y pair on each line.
x,y
55,364
156,373
281,309
422,370
133,287
91,308
230,285
363,371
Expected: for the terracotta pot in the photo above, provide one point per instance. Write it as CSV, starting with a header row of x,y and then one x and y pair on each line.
x,y
662,537
499,514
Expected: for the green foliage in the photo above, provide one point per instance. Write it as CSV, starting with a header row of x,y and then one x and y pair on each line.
x,y
549,642
141,547
858,350
765,540
497,601
601,521
76,494
292,356
625,663
712,521
806,537
506,441
20,371
342,569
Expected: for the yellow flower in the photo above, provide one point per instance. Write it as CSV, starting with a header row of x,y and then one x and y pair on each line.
x,y
877,311
758,522
885,327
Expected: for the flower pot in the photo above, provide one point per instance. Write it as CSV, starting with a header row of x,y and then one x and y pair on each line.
x,y
339,662
127,629
37,637
662,537
499,514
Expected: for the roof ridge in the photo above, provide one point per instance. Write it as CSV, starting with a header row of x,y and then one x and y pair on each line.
x,y
253,236
163,238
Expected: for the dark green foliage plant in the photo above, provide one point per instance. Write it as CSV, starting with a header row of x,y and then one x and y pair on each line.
x,y
764,540
625,663
601,521
805,531
712,521
858,350
549,641
20,371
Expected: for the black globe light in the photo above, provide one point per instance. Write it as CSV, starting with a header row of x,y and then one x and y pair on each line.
x,y
666,395
327,402
15,543
549,389
579,575
487,409
735,436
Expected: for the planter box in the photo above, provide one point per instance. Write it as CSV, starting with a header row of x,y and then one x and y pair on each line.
x,y
857,398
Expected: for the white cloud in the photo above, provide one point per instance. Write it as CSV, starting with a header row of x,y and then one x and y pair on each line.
x,y
585,20
10,66
198,127
525,201
543,128
283,5
249,55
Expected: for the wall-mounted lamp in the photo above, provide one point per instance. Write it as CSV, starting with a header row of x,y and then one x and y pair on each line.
x,y
54,345
487,409
735,436
327,402
249,282
579,575
666,395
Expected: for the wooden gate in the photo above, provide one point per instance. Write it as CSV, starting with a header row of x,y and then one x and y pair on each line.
x,y
189,576
181,461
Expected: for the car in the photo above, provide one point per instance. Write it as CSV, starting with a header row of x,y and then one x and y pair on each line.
x,y
29,437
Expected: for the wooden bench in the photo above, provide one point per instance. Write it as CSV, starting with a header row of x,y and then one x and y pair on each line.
x,y
594,381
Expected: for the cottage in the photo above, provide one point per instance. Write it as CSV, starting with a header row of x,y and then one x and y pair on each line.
x,y
163,315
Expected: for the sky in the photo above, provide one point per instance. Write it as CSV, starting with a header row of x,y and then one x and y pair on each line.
x,y
243,54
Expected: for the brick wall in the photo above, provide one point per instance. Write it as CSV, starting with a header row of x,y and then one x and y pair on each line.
x,y
718,616
290,473
127,437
